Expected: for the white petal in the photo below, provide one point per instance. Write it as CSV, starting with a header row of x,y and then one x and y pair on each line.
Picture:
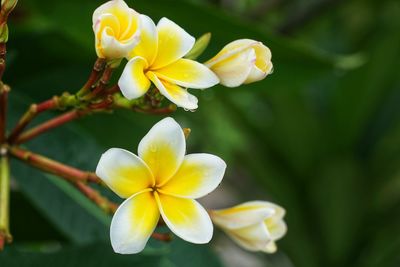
x,y
163,149
277,229
198,175
173,43
186,218
231,49
133,82
133,223
108,7
253,238
188,73
243,215
270,247
234,70
124,172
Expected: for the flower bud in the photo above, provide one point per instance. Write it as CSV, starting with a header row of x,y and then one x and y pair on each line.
x,y
116,28
254,225
8,5
241,62
199,46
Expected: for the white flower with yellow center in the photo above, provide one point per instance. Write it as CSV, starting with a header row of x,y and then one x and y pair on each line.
x,y
161,180
116,28
254,225
241,62
158,59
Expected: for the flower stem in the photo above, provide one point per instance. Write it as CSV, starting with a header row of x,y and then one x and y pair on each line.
x,y
5,236
103,82
106,205
4,90
48,165
50,124
3,52
56,102
98,67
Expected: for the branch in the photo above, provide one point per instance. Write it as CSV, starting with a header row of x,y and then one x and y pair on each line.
x,y
54,167
50,124
104,80
5,236
98,67
4,90
3,52
56,102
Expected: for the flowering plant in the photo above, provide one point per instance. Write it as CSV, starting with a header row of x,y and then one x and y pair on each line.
x,y
160,184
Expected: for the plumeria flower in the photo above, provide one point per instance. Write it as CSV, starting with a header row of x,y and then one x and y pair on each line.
x,y
254,225
241,62
161,180
158,59
116,28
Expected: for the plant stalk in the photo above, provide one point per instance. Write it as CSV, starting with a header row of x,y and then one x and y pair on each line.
x,y
50,124
5,236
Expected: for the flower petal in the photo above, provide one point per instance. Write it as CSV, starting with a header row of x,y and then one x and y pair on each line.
x,y
174,93
147,47
163,149
117,29
186,218
234,70
243,215
188,73
133,82
270,248
277,229
231,49
133,223
198,175
115,7
253,237
173,43
124,172
263,65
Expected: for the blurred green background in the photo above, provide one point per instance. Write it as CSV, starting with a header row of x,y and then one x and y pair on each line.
x,y
321,136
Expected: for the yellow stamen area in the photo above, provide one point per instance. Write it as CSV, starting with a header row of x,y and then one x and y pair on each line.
x,y
131,179
161,159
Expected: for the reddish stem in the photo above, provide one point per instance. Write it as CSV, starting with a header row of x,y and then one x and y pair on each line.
x,y
4,90
94,76
162,237
92,194
104,80
102,105
50,124
45,164
32,112
112,90
3,52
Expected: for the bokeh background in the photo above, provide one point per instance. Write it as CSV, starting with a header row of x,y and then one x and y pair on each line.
x,y
320,137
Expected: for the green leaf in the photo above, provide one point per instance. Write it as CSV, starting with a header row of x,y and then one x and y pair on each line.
x,y
93,255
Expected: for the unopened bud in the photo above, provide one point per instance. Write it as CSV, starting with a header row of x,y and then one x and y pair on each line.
x,y
7,6
199,47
